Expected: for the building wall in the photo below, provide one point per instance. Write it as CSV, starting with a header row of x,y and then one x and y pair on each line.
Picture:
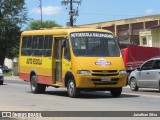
x,y
124,21
136,27
150,24
152,36
145,34
8,63
156,37
127,30
12,64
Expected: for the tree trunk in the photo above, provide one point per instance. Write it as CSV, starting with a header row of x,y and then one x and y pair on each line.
x,y
2,57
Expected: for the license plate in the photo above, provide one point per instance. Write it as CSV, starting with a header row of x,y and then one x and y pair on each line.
x,y
105,79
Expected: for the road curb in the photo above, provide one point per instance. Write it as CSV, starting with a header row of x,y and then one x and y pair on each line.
x,y
11,78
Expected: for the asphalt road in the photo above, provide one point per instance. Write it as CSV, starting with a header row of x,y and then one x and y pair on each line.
x,y
15,95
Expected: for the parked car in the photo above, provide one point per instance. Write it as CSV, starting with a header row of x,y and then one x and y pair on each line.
x,y
146,76
4,69
1,77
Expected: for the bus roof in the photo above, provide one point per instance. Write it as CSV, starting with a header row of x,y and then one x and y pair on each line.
x,y
61,31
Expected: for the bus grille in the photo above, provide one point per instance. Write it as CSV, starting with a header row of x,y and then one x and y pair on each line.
x,y
104,73
100,82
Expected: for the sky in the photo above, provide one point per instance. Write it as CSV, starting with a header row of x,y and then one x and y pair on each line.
x,y
92,11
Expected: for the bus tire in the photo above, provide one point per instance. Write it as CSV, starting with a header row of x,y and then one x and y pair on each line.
x,y
73,92
36,87
116,92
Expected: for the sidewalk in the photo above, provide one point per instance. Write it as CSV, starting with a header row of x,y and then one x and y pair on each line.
x,y
12,77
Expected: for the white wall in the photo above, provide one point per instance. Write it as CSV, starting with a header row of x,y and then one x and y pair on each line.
x,y
8,63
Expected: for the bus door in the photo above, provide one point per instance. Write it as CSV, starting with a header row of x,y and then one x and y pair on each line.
x,y
58,60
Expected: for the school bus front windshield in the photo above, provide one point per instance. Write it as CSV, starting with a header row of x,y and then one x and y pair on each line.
x,y
93,44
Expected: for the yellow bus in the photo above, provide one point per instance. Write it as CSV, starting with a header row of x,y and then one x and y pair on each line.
x,y
81,59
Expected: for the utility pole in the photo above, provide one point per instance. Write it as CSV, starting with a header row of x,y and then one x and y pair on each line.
x,y
40,6
72,12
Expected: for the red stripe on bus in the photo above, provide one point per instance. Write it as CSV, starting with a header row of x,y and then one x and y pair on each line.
x,y
41,79
45,80
24,76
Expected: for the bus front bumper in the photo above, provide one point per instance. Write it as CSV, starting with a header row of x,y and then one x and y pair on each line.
x,y
83,81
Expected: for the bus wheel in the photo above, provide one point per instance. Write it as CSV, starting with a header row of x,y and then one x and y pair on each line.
x,y
72,90
36,87
116,92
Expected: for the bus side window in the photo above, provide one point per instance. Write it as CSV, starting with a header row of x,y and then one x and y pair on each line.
x,y
40,46
26,46
47,46
34,45
37,45
29,46
67,51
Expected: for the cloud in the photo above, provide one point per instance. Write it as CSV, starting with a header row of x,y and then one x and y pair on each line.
x,y
48,10
149,11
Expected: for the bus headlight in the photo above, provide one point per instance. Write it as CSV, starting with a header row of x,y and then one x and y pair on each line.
x,y
84,72
122,72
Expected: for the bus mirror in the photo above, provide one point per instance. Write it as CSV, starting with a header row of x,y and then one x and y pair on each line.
x,y
63,42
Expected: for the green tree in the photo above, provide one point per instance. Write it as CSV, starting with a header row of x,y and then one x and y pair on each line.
x,y
13,15
37,24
